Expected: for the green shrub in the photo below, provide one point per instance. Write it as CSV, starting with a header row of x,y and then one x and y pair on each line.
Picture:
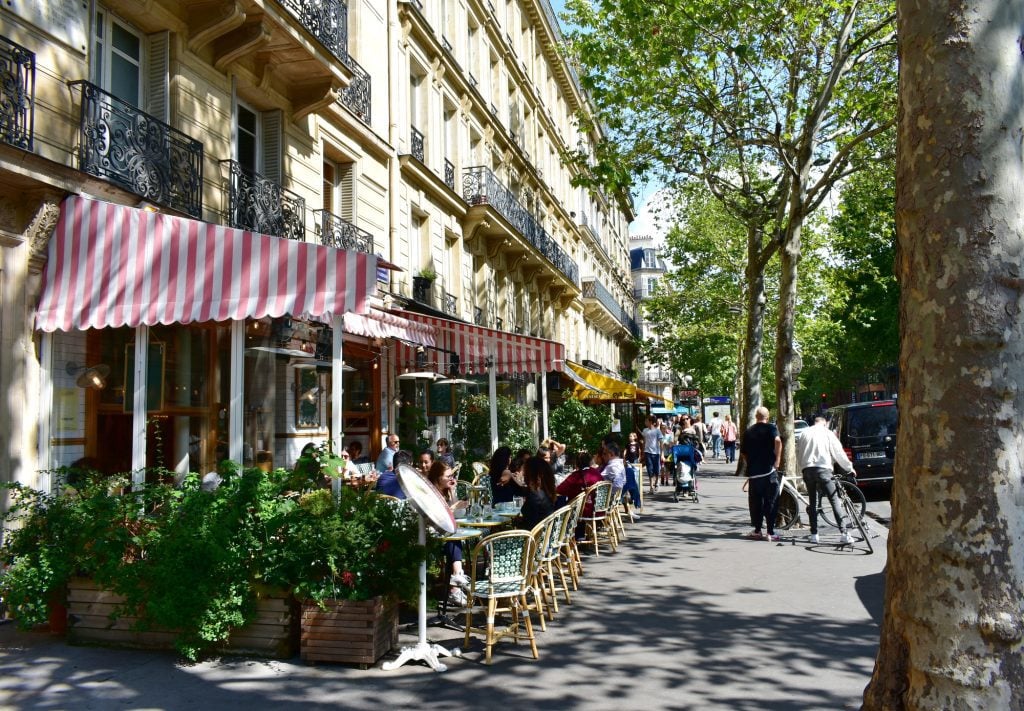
x,y
472,433
580,427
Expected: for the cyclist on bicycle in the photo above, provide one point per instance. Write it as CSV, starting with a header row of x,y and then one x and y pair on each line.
x,y
817,449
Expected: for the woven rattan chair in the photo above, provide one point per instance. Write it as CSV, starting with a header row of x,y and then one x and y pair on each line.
x,y
615,513
548,558
504,586
597,524
542,533
479,469
569,558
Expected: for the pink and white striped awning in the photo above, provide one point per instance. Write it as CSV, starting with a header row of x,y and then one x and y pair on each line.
x,y
378,324
474,345
113,265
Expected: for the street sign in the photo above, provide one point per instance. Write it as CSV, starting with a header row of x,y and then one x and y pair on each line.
x,y
718,399
689,393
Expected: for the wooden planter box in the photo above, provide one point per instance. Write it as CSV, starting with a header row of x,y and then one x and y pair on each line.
x,y
273,633
348,631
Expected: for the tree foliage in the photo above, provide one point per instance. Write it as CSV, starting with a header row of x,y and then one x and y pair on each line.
x,y
580,427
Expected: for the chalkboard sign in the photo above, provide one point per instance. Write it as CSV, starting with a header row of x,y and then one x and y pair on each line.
x,y
440,399
154,377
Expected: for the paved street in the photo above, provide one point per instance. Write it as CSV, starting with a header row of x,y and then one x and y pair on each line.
x,y
687,615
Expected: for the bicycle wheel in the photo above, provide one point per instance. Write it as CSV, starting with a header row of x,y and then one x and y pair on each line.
x,y
857,502
788,510
858,520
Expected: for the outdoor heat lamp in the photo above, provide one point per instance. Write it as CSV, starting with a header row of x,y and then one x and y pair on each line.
x,y
91,376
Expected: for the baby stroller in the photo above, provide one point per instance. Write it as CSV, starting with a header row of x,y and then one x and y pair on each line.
x,y
686,456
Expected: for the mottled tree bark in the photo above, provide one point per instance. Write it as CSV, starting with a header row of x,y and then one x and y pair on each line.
x,y
754,340
954,609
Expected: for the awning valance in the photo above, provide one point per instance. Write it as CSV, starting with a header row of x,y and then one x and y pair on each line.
x,y
113,265
378,324
512,353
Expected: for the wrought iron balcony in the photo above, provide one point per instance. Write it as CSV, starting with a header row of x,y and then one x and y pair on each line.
x,y
261,205
478,316
449,174
327,20
139,152
336,232
416,139
593,289
481,187
356,96
17,94
449,304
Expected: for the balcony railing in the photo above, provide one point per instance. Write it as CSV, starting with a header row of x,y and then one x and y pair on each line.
x,y
416,139
449,174
481,187
336,232
139,152
449,304
593,289
17,94
356,96
327,20
261,205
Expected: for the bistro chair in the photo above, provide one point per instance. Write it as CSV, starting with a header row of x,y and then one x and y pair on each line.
x,y
615,513
597,524
479,469
548,559
504,586
570,553
542,535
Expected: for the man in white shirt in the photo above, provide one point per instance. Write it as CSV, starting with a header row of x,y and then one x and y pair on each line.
x,y
715,427
614,468
817,449
652,451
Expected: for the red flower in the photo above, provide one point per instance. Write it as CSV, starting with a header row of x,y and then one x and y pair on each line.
x,y
384,547
347,578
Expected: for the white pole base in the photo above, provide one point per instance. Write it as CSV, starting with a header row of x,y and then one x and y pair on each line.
x,y
422,652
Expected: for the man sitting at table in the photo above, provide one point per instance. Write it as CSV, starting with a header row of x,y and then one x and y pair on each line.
x,y
387,483
614,468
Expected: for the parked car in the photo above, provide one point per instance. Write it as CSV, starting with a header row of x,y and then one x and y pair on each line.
x,y
798,427
867,431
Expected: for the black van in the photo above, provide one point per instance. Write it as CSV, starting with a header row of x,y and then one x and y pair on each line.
x,y
867,431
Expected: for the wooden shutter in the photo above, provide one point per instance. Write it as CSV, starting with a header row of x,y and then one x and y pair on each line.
x,y
346,182
272,125
328,187
158,76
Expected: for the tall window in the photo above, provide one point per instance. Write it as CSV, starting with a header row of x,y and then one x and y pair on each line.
x,y
247,128
339,189
118,58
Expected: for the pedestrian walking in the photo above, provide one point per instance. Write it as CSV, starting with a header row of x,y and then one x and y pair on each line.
x,y
761,452
729,435
817,449
715,427
652,451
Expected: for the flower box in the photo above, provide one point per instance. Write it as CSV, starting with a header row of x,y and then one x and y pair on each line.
x,y
349,631
272,633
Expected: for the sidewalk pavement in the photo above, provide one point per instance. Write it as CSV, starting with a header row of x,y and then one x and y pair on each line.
x,y
686,615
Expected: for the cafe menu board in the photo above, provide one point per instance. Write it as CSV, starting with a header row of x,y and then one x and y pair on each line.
x,y
66,20
426,499
441,400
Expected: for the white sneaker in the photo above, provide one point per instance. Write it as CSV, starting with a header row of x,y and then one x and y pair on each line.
x,y
813,538
456,597
845,539
460,579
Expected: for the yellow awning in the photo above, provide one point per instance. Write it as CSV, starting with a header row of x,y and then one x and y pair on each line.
x,y
609,389
642,394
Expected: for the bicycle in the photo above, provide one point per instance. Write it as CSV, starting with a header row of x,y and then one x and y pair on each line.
x,y
851,502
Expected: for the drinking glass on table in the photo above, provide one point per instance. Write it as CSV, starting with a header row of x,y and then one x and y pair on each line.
x,y
518,501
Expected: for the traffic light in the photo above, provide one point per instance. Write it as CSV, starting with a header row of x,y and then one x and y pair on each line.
x,y
824,398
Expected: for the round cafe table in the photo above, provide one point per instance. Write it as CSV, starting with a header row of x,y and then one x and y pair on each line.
x,y
493,521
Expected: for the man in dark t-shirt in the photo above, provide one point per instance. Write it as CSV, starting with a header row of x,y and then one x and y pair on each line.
x,y
761,452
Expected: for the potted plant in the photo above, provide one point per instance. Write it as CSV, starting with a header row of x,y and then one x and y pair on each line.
x,y
422,284
350,560
472,432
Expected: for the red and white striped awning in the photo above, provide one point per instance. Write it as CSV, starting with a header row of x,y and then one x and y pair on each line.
x,y
113,265
378,324
512,353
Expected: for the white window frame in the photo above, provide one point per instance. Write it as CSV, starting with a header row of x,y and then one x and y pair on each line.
x,y
105,19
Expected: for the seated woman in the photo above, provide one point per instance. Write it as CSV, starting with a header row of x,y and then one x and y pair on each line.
x,y
539,502
588,473
443,479
444,452
505,484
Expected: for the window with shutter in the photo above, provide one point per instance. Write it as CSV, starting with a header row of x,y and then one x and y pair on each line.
x,y
158,76
273,157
